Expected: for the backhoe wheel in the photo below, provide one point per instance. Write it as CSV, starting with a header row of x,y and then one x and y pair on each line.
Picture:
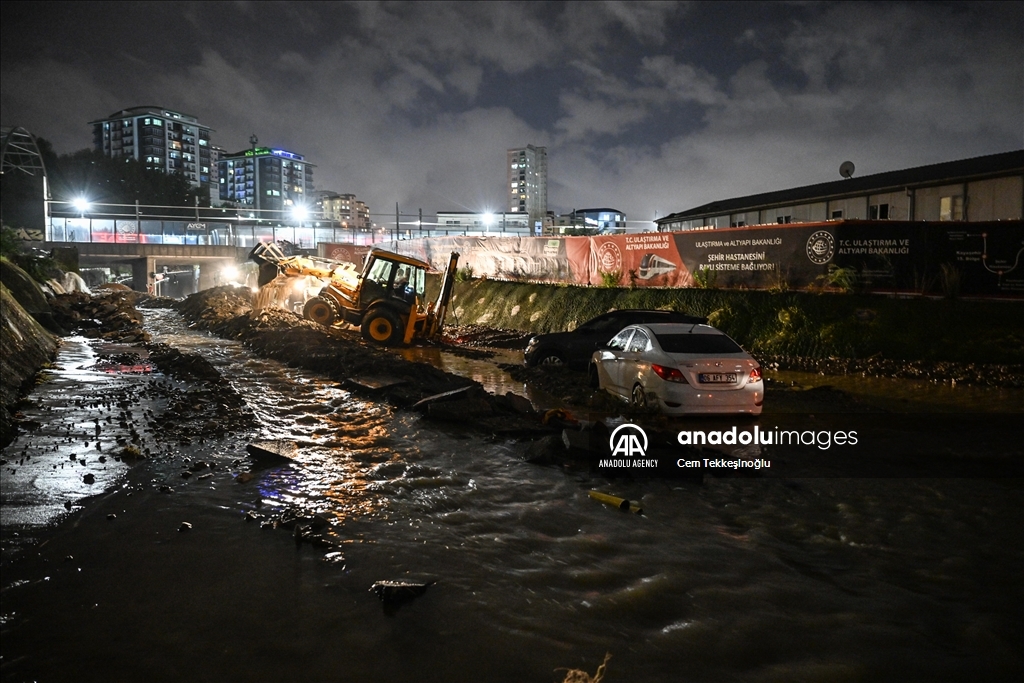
x,y
320,311
383,327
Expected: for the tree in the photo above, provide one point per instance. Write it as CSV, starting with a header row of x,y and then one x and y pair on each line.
x,y
90,174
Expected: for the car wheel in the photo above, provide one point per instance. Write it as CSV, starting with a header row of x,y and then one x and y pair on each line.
x,y
639,396
320,311
550,358
382,326
593,379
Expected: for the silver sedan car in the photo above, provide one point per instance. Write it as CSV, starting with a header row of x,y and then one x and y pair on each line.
x,y
680,369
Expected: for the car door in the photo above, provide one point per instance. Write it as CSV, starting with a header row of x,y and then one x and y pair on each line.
x,y
609,360
634,356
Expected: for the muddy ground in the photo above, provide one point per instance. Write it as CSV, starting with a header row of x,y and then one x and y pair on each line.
x,y
200,403
366,368
362,367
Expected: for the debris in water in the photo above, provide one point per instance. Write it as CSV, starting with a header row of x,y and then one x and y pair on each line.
x,y
280,449
444,395
397,592
579,676
622,503
372,384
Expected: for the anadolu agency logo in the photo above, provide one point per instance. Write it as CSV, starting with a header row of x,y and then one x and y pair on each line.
x,y
628,444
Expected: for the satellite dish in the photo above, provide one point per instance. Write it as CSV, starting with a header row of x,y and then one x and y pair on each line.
x,y
846,169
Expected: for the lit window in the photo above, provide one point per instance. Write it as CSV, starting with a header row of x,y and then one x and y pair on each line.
x,y
951,208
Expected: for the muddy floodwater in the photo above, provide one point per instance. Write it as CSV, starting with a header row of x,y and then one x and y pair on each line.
x,y
776,578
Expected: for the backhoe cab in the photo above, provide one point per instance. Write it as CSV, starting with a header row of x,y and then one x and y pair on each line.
x,y
385,300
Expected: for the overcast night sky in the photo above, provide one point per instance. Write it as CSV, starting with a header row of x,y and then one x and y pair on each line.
x,y
645,107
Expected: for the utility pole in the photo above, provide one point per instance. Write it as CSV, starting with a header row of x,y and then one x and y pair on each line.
x,y
421,223
396,221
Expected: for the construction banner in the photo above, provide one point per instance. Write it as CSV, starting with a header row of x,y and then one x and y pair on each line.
x,y
346,253
895,256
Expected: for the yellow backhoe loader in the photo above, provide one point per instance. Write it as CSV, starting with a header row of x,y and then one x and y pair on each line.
x,y
385,299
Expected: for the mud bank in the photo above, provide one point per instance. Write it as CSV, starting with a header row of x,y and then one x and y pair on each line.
x,y
25,346
363,368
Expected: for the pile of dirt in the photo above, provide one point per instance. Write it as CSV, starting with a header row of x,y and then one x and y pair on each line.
x,y
360,366
109,314
206,407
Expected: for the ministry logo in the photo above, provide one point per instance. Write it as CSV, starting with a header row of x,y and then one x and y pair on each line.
x,y
820,247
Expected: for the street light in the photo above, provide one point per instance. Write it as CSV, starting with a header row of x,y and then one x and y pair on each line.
x,y
300,213
81,204
488,221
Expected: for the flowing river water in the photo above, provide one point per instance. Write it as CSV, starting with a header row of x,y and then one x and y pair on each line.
x,y
753,579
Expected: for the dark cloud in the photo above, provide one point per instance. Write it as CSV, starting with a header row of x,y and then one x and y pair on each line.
x,y
647,107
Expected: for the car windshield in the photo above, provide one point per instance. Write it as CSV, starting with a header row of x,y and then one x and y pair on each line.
x,y
697,343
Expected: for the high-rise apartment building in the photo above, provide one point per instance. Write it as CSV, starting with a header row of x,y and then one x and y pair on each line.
x,y
528,182
159,138
265,179
343,208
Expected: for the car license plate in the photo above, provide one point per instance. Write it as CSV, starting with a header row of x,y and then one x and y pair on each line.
x,y
717,378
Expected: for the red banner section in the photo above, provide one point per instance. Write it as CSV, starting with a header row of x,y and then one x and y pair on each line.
x,y
972,258
346,253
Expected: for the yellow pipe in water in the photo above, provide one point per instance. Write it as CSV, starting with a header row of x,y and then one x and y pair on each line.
x,y
616,502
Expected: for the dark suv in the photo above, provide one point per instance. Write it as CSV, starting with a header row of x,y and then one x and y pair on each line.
x,y
575,348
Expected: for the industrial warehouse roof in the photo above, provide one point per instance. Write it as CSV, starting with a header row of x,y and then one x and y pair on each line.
x,y
956,171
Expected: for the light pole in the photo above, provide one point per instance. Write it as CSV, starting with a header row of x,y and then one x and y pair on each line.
x,y
82,205
299,214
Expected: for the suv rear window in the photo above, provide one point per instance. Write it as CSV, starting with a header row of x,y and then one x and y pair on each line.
x,y
697,343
